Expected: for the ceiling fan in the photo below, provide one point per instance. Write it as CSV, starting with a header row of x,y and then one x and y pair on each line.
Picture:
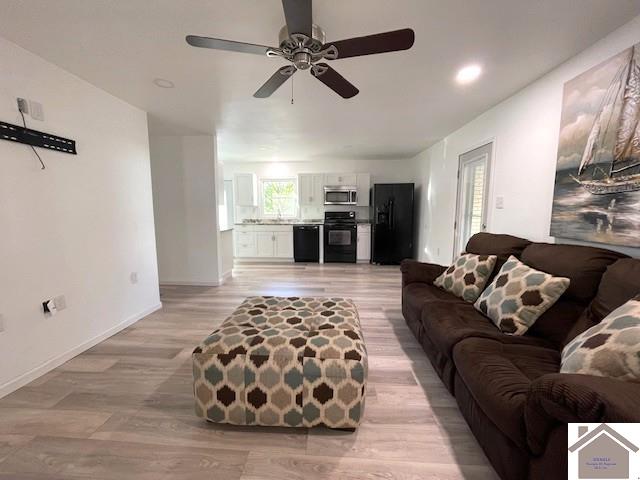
x,y
303,44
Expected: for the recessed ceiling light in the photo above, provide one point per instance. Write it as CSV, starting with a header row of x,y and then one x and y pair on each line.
x,y
468,74
162,83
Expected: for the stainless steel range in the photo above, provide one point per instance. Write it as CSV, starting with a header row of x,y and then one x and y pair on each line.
x,y
340,237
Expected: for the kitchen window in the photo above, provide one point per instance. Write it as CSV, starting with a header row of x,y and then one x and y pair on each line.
x,y
279,197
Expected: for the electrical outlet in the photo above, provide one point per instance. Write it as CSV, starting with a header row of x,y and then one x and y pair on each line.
x,y
37,112
133,277
23,106
60,302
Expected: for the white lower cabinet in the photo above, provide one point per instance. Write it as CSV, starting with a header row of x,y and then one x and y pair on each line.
x,y
363,251
264,241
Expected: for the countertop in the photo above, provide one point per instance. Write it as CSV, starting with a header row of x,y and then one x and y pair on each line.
x,y
292,222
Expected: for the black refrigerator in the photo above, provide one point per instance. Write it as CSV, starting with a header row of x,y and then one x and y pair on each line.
x,y
392,218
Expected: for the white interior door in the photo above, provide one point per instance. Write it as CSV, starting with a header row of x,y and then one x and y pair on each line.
x,y
473,194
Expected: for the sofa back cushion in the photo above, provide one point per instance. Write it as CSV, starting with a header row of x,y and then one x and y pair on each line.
x,y
619,284
501,245
583,266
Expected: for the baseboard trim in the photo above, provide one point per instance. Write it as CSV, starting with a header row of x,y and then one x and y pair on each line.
x,y
31,375
181,283
225,277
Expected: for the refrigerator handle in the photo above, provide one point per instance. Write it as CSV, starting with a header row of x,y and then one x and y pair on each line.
x,y
391,216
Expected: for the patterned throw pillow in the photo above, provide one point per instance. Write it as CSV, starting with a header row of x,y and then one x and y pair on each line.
x,y
467,276
609,349
519,295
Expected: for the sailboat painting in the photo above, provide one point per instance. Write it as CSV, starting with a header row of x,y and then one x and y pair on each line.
x,y
597,186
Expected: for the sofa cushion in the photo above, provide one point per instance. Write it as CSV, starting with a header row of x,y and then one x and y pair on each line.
x,y
519,295
619,284
416,295
498,376
503,246
446,324
556,323
609,349
467,276
583,266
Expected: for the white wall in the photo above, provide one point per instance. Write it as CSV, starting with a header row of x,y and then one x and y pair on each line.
x,y
186,209
381,170
525,129
78,228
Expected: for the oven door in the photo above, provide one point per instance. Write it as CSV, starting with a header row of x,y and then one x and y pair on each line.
x,y
333,196
340,243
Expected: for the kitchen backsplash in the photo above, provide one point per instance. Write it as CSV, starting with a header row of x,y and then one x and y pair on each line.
x,y
362,213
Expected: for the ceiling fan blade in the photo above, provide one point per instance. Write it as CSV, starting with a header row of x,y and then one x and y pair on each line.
x,y
229,45
298,14
334,80
276,80
378,43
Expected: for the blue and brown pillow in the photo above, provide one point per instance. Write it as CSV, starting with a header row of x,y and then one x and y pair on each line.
x,y
467,276
610,348
519,295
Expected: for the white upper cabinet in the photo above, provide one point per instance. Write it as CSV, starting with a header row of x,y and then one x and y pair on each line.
x,y
364,185
246,190
310,189
345,179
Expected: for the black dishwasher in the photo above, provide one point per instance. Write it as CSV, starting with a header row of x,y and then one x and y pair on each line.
x,y
306,243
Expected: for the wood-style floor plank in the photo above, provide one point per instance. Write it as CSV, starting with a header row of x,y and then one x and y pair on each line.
x,y
124,409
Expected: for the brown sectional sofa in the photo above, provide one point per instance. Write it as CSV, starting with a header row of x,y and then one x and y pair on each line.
x,y
509,388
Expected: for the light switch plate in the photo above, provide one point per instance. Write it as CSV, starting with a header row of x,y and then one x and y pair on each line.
x,y
500,202
133,277
37,112
61,302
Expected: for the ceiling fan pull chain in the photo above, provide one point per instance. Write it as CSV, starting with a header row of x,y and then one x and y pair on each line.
x,y
292,91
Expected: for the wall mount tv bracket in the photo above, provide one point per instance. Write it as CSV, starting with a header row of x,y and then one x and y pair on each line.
x,y
17,133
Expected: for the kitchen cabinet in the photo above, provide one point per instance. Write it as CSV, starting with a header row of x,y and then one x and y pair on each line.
x,y
363,182
246,190
264,241
265,244
245,243
310,189
283,244
343,179
363,251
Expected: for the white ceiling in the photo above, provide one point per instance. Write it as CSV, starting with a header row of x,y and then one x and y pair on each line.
x,y
407,100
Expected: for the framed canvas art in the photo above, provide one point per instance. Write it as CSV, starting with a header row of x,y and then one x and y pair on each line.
x,y
597,185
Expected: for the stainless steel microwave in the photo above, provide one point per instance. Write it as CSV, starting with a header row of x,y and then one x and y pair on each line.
x,y
340,195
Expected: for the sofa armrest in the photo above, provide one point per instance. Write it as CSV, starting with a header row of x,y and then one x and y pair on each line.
x,y
418,272
562,398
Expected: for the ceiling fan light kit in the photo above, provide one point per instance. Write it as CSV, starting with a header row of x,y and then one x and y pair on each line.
x,y
303,43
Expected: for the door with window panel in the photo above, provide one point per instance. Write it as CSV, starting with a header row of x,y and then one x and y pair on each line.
x,y
473,194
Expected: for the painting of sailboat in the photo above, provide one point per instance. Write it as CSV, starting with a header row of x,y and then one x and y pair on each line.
x,y
597,187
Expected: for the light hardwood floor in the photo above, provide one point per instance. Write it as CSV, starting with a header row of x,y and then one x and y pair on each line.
x,y
124,409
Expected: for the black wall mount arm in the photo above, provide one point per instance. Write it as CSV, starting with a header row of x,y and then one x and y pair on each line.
x,y
17,133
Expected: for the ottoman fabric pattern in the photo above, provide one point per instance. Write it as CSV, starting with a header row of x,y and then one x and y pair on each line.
x,y
284,361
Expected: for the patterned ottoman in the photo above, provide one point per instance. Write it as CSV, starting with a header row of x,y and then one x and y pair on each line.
x,y
284,361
